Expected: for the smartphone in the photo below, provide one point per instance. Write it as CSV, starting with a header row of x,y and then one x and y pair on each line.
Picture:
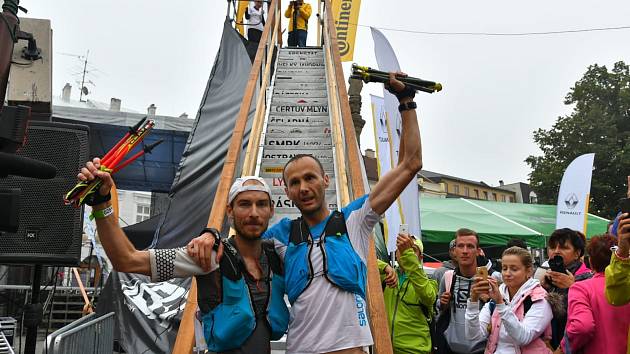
x,y
482,272
624,204
403,229
557,264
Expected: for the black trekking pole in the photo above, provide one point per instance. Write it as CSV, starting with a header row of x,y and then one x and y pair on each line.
x,y
368,74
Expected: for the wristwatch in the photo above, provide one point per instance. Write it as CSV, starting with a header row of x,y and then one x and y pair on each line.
x,y
217,236
407,106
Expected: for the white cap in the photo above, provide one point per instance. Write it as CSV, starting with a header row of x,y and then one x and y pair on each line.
x,y
238,187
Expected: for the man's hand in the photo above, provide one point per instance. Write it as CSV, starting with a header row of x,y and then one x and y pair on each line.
x,y
560,280
391,278
91,171
444,299
200,248
404,242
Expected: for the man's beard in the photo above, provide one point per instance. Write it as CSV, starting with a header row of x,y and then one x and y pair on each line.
x,y
247,236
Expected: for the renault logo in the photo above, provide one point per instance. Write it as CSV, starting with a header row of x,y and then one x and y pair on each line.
x,y
571,201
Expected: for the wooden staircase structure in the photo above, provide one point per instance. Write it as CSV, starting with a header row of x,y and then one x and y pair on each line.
x,y
308,112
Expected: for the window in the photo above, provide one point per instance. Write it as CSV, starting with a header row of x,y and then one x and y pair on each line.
x,y
466,191
494,196
456,189
485,195
503,198
476,194
511,199
143,212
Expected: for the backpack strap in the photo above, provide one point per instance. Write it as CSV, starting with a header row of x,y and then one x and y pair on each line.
x,y
449,276
231,263
300,232
275,263
336,224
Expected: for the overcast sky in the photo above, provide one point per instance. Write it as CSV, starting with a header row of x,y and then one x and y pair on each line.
x,y
497,89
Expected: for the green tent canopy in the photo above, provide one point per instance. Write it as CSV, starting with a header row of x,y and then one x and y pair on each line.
x,y
495,222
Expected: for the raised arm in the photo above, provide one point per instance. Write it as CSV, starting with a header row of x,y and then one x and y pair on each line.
x,y
391,185
121,252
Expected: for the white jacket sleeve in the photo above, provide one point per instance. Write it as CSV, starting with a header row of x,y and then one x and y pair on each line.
x,y
533,325
476,327
175,263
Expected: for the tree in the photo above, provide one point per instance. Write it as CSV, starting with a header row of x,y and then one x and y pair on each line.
x,y
599,123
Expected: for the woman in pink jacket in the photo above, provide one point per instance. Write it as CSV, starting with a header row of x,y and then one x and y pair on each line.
x,y
518,318
594,326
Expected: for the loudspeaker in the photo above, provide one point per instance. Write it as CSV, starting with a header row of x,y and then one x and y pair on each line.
x,y
49,232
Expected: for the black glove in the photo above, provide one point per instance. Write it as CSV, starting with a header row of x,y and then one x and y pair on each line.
x,y
406,92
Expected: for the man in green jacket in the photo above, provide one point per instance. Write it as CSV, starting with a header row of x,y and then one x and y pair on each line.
x,y
409,298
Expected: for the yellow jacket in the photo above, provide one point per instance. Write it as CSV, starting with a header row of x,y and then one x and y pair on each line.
x,y
618,283
302,16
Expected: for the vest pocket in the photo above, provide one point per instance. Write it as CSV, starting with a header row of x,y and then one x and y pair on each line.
x,y
344,266
296,271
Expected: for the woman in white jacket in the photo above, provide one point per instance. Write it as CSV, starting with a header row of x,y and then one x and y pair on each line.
x,y
518,317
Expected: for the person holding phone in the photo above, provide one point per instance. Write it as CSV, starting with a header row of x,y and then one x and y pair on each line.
x,y
518,318
409,297
565,250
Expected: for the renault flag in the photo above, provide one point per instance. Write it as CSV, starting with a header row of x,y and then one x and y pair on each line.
x,y
409,200
384,152
346,16
573,198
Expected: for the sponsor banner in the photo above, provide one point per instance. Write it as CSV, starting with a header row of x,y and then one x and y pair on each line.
x,y
409,198
297,109
346,15
300,100
298,120
302,72
283,131
573,198
287,93
384,152
285,154
274,169
286,84
310,63
300,143
277,184
282,203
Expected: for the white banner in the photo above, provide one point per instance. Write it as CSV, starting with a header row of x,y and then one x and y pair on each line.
x,y
384,154
573,198
410,198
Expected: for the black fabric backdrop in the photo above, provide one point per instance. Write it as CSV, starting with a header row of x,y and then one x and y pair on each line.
x,y
148,314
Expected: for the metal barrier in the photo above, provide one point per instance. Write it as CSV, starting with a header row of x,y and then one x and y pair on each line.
x,y
88,335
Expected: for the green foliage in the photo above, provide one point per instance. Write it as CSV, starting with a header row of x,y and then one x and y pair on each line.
x,y
599,123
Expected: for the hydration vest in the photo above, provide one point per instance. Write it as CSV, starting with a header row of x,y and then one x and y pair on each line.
x,y
342,266
227,309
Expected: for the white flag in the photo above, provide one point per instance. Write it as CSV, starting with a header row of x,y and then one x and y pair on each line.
x,y
573,198
384,152
409,200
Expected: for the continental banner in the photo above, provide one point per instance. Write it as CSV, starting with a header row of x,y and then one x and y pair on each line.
x,y
346,14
